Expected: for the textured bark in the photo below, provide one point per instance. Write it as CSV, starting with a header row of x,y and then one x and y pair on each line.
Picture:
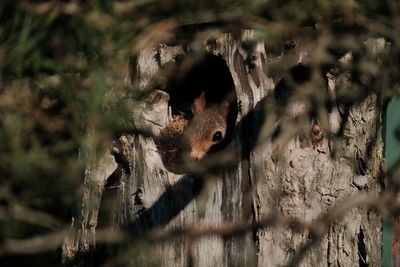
x,y
83,237
296,180
299,182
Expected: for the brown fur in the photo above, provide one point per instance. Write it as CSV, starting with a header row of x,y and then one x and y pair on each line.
x,y
206,122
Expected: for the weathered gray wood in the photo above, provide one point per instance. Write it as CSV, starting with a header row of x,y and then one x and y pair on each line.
x,y
283,179
83,230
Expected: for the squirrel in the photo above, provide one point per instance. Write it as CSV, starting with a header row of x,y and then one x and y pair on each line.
x,y
188,138
207,128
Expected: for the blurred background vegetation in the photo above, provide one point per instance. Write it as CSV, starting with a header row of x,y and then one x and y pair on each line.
x,y
62,89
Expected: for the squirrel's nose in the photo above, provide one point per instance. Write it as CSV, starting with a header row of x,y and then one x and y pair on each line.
x,y
196,155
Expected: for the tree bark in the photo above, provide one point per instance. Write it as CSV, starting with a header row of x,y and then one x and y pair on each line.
x,y
272,178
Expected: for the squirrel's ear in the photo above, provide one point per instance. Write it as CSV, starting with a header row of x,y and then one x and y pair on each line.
x,y
224,108
199,104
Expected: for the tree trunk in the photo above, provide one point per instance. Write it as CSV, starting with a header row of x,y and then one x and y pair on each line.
x,y
274,177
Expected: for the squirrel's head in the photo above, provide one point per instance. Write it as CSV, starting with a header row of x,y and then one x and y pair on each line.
x,y
206,129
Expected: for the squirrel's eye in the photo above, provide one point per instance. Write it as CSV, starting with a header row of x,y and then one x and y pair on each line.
x,y
217,136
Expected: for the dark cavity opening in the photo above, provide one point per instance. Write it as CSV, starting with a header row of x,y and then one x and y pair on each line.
x,y
210,74
195,81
